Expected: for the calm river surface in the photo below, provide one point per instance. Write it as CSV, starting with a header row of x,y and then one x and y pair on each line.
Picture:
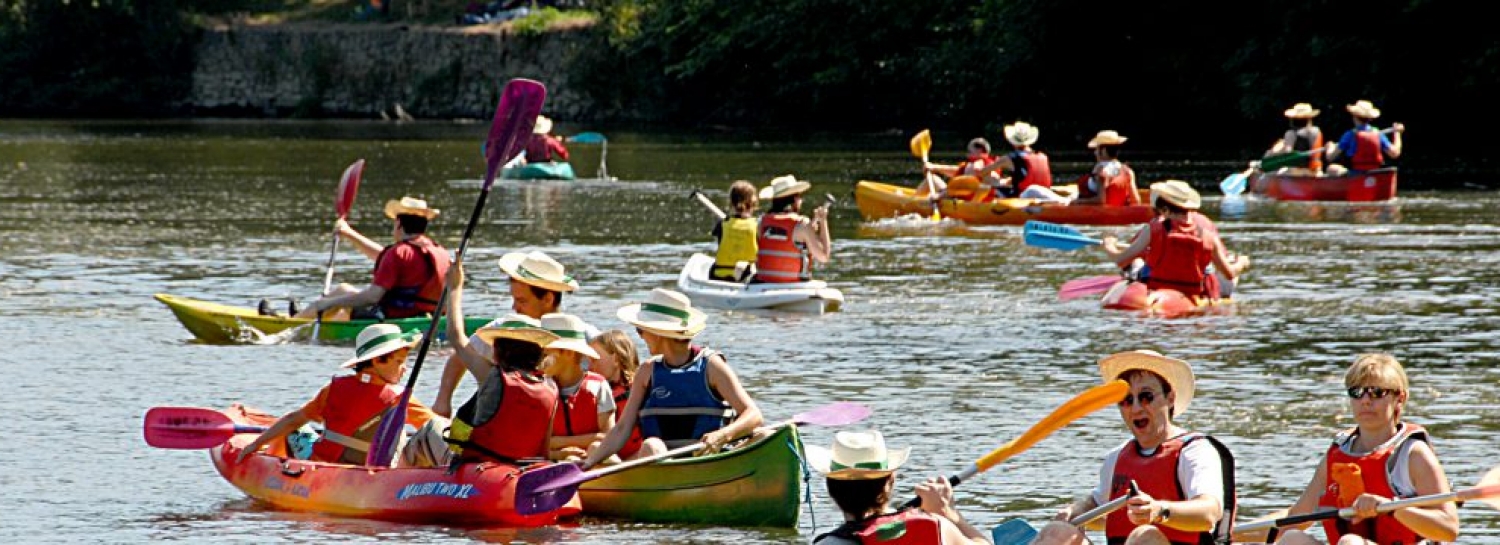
x,y
953,334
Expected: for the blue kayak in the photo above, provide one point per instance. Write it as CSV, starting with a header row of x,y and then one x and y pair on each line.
x,y
539,171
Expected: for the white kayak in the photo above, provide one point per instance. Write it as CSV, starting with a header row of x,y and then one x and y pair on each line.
x,y
814,296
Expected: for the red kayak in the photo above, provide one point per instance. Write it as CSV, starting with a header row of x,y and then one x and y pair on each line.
x,y
1164,303
475,494
1374,185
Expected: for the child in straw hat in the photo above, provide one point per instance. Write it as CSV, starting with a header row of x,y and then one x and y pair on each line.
x,y
409,273
861,475
586,410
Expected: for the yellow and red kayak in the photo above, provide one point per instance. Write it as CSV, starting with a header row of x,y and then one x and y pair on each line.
x,y
880,200
475,494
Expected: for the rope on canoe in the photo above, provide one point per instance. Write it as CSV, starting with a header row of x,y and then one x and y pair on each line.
x,y
807,495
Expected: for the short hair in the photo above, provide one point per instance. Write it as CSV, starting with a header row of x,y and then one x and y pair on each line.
x,y
542,293
622,349
1376,369
742,198
516,354
412,224
860,496
980,143
1169,207
1111,151
785,204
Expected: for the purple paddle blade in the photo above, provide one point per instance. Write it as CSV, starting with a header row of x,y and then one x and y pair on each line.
x,y
515,116
548,488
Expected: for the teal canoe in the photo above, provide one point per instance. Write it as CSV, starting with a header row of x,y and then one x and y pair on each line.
x,y
539,171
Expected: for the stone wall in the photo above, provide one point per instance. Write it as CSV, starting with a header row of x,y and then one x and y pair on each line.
x,y
368,70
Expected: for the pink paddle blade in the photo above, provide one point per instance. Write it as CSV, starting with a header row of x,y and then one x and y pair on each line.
x,y
515,116
1084,287
190,428
837,414
348,187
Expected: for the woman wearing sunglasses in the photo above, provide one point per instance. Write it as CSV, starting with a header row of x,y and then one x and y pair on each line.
x,y
1186,479
1380,459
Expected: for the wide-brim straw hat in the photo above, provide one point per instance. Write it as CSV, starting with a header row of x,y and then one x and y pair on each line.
x,y
537,269
519,327
543,125
1022,133
1107,138
1177,373
856,455
572,333
783,186
379,340
409,206
1302,110
667,313
1176,192
1363,108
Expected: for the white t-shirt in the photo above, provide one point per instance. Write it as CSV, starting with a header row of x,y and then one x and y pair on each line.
x,y
1199,471
1399,470
601,390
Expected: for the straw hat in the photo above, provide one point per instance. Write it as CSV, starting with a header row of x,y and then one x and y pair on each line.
x,y
409,206
543,125
516,326
666,313
537,269
379,340
782,186
1301,110
572,333
1178,374
1176,192
1106,138
1363,108
1022,133
856,455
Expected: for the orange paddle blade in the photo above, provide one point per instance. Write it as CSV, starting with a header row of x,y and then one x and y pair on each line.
x,y
1488,490
1093,399
921,144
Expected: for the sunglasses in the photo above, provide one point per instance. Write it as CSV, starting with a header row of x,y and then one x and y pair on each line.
x,y
1377,393
1146,398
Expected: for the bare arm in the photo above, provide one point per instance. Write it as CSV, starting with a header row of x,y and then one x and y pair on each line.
x,y
937,498
371,295
1395,150
815,236
1095,174
370,248
1002,164
726,384
472,360
1136,249
946,170
615,439
285,425
1438,523
453,373
1198,514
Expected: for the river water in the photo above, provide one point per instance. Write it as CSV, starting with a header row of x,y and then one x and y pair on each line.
x,y
953,334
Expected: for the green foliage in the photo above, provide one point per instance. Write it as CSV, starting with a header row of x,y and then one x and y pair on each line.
x,y
540,21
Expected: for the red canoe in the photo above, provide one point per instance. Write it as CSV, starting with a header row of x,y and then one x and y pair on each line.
x,y
1374,185
476,494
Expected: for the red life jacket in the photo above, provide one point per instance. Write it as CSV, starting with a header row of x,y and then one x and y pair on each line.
x,y
353,410
1375,471
1178,253
408,301
1038,169
973,163
1367,152
543,148
1119,190
778,258
1157,476
633,444
578,414
518,427
905,527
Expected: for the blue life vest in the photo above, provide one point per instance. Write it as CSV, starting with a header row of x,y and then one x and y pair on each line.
x,y
680,406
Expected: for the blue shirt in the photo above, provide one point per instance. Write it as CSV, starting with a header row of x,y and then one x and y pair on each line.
x,y
1347,142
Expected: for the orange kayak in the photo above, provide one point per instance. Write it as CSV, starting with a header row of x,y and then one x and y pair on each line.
x,y
475,494
1164,303
879,200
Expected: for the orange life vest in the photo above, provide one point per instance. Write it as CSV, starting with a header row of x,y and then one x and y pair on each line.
x,y
408,301
778,257
1303,143
1157,476
1119,190
1375,471
515,425
578,414
905,527
1037,167
1178,253
1367,152
353,411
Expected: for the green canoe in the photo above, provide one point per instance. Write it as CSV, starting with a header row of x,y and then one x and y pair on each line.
x,y
539,171
754,485
223,324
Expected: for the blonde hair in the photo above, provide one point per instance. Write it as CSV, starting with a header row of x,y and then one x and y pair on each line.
x,y
619,346
743,198
1376,369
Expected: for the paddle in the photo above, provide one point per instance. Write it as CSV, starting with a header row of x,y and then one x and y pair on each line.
x,y
343,200
1083,287
1090,400
1053,236
515,116
1487,492
709,204
595,138
1020,532
920,145
548,488
191,428
1234,184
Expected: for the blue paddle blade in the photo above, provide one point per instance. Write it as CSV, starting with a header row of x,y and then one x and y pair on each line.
x,y
1234,184
1053,236
1013,532
587,138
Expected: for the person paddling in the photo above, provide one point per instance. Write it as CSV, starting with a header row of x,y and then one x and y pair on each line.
x,y
786,239
966,178
1302,136
408,277
1365,146
1111,182
737,235
543,147
861,475
1178,246
1030,170
586,410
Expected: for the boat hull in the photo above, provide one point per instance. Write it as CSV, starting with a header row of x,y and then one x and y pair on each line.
x,y
755,485
539,171
1372,186
224,324
475,494
1163,303
878,201
811,297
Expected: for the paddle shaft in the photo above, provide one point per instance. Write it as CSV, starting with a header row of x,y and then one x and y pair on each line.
x,y
686,449
1387,507
709,204
327,281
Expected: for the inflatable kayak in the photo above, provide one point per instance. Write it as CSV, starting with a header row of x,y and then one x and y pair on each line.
x,y
1374,185
539,171
1164,303
879,200
223,324
475,494
813,297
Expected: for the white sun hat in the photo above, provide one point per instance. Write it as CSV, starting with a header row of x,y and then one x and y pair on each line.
x,y
782,186
667,313
379,340
572,333
1177,373
537,269
856,455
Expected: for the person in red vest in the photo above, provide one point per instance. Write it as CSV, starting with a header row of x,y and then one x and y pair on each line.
x,y
861,475
408,277
1178,246
1386,458
350,406
1186,478
1030,170
586,410
968,178
1302,136
543,147
786,239
1111,182
1365,146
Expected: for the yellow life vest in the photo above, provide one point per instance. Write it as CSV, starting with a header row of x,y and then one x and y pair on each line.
x,y
736,244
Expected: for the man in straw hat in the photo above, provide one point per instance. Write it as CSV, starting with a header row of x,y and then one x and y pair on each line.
x,y
1178,245
543,147
1302,136
408,277
1111,182
587,408
350,406
861,475
1030,170
1186,478
1366,146
537,285
685,393
786,239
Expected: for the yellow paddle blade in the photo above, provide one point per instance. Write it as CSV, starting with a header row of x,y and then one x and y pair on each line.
x,y
921,144
1087,402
